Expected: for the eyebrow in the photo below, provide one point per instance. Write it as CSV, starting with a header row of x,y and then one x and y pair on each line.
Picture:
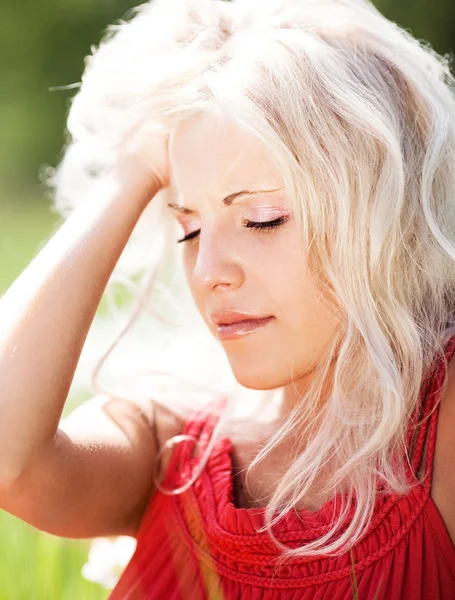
x,y
226,201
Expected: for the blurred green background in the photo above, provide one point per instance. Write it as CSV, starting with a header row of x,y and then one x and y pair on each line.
x,y
42,46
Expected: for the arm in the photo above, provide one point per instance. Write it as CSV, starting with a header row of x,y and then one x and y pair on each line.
x,y
45,317
97,478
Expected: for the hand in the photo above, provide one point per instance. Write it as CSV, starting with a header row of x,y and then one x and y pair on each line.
x,y
143,160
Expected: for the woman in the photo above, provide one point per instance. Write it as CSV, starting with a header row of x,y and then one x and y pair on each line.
x,y
303,154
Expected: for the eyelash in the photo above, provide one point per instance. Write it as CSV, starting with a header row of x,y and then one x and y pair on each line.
x,y
264,225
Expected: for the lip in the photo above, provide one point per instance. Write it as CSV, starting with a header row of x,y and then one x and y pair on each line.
x,y
238,329
226,317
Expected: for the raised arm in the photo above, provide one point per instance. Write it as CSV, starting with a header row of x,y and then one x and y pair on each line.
x,y
84,479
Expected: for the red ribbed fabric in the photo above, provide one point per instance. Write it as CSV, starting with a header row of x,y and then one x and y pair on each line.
x,y
198,545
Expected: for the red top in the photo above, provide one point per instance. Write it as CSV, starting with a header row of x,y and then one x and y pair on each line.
x,y
198,545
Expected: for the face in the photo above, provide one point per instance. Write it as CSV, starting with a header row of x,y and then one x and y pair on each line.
x,y
243,254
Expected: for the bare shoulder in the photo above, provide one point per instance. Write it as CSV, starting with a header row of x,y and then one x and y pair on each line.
x,y
101,412
167,424
108,447
162,421
95,478
443,485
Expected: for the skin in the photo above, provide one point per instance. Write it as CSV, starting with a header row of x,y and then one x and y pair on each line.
x,y
229,266
259,272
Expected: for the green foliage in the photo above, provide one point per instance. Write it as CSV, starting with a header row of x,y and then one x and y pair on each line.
x,y
24,227
430,21
40,48
40,566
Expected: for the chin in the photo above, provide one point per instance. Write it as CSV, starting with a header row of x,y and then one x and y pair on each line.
x,y
259,381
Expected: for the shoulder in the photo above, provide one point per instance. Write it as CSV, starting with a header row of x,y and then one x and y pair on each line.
x,y
167,424
102,414
164,421
443,483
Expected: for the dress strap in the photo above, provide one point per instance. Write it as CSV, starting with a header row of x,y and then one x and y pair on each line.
x,y
425,425
195,436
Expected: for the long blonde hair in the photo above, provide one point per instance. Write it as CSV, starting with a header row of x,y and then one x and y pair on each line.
x,y
360,118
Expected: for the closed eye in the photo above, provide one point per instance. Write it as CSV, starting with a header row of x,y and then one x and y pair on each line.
x,y
264,225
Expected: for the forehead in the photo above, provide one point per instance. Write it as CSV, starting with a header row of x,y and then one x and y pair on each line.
x,y
209,154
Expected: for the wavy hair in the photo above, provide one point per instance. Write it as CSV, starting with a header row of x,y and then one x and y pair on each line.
x,y
360,118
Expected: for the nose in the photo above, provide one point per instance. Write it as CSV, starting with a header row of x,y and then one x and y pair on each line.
x,y
217,267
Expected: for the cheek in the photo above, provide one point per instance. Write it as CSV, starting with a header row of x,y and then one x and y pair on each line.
x,y
281,271
189,257
302,307
310,323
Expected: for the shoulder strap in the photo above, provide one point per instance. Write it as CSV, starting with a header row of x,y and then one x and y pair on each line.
x,y
428,412
195,436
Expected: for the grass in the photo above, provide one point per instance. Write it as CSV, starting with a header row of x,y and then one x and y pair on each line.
x,y
34,564
37,565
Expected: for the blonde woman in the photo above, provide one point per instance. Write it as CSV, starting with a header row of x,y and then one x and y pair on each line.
x,y
279,178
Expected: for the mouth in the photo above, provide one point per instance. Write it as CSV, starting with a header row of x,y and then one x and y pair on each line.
x,y
231,331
